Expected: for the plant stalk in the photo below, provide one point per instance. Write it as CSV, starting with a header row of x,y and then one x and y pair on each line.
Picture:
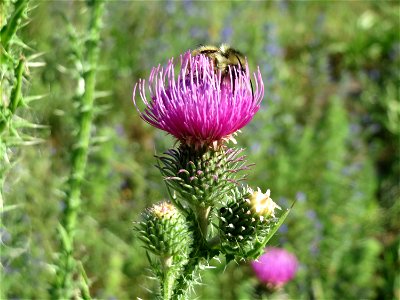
x,y
79,156
15,97
169,278
203,214
8,31
6,114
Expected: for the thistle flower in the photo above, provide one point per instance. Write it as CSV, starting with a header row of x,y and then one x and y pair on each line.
x,y
199,107
262,203
275,267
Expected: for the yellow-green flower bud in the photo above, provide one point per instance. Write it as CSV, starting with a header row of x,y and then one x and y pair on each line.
x,y
164,230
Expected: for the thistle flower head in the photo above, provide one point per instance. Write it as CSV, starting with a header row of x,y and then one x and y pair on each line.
x,y
199,106
275,267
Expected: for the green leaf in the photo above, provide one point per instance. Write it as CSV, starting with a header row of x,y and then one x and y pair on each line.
x,y
259,246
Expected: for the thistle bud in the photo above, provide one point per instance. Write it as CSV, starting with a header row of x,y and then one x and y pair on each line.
x,y
164,230
202,176
245,219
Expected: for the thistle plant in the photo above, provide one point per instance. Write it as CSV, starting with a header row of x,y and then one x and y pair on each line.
x,y
17,61
14,67
87,58
211,213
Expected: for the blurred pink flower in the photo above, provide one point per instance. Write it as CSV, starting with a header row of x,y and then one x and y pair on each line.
x,y
199,107
275,267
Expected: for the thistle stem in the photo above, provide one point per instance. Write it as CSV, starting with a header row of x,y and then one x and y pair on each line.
x,y
11,28
16,91
79,157
15,97
6,114
203,214
169,278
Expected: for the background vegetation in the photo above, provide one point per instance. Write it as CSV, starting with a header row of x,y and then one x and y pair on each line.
x,y
326,135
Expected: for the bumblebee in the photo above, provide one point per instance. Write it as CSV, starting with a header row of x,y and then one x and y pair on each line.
x,y
222,57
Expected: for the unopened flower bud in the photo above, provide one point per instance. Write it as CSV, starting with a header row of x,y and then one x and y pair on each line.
x,y
246,218
164,230
203,176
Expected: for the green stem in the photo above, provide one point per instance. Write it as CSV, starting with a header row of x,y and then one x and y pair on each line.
x,y
186,276
169,279
84,283
6,115
81,148
15,97
6,112
203,214
16,91
8,31
79,156
202,251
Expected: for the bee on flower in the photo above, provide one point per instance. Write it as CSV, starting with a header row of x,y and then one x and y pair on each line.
x,y
195,107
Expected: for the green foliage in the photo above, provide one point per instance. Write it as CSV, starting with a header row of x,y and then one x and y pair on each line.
x,y
16,130
327,135
13,67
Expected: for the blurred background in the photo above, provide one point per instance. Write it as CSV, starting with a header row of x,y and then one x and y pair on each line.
x,y
327,135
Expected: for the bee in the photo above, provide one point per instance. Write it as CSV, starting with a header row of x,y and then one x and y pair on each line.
x,y
223,58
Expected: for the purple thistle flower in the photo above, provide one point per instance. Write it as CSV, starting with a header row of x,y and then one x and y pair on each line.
x,y
275,267
201,106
